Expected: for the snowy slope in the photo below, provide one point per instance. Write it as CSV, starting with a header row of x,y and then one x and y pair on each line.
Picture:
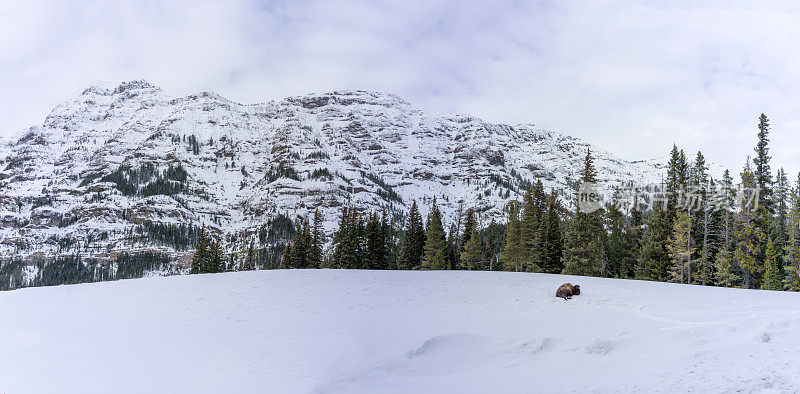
x,y
92,175
360,331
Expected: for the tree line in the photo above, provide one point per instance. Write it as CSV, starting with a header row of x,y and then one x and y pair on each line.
x,y
374,240
707,231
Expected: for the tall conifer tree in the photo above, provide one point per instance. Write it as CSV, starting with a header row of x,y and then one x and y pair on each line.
x,y
317,240
348,240
473,257
654,261
621,248
201,253
469,226
781,205
773,273
725,269
286,258
749,244
748,232
530,238
680,249
435,252
792,248
375,244
512,259
553,243
413,242
583,252
762,173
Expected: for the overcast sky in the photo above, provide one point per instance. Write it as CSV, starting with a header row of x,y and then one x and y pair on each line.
x,y
631,77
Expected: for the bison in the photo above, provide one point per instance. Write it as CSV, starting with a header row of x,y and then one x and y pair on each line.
x,y
567,290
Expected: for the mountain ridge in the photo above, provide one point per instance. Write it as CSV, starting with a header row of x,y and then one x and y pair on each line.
x,y
117,158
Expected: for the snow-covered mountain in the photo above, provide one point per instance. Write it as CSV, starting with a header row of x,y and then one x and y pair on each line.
x,y
348,331
107,168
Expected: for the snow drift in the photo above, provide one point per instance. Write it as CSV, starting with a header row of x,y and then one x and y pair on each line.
x,y
393,331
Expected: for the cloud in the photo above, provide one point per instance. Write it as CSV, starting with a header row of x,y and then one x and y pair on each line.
x,y
632,77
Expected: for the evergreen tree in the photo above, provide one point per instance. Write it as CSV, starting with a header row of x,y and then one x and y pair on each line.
x,y
232,264
249,263
748,231
469,227
589,173
680,250
286,259
413,240
615,243
348,245
201,253
540,200
375,248
583,252
725,270
748,183
583,249
714,209
781,205
792,279
637,219
773,275
654,260
454,247
529,233
678,177
683,169
301,247
673,178
727,211
699,173
553,243
792,248
216,260
435,251
703,226
633,234
705,268
621,247
317,240
389,234
512,259
763,175
473,256
749,239
494,235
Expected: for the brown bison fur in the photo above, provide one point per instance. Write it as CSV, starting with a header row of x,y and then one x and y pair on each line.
x,y
567,290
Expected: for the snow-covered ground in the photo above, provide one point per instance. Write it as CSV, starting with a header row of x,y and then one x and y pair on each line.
x,y
371,331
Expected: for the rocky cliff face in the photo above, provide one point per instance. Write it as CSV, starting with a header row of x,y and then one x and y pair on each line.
x,y
124,168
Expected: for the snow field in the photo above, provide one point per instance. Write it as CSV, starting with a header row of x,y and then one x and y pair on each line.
x,y
395,331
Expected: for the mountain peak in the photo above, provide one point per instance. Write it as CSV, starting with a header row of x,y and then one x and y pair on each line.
x,y
348,97
108,88
139,84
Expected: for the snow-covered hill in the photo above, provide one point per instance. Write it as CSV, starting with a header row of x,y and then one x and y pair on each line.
x,y
107,168
327,331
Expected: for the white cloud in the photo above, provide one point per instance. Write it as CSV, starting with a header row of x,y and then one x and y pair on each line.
x,y
633,77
